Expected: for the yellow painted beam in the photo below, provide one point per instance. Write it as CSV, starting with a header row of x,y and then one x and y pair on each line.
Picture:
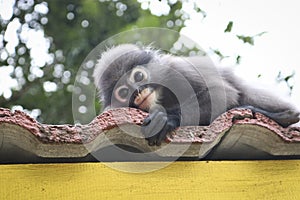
x,y
180,180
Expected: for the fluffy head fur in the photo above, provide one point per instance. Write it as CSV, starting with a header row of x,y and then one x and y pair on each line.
x,y
116,62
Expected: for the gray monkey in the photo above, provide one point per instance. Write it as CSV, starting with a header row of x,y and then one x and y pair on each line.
x,y
178,91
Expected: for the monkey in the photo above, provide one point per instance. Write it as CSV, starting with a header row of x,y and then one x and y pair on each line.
x,y
179,91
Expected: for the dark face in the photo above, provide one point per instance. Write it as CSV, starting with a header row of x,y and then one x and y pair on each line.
x,y
134,90
124,76
137,79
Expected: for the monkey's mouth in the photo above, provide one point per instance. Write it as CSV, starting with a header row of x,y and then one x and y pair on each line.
x,y
145,99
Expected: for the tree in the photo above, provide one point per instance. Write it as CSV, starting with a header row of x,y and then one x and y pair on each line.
x,y
65,32
68,31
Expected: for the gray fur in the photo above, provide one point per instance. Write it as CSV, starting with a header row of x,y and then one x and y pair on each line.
x,y
215,90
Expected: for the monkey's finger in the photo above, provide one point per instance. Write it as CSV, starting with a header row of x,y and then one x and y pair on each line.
x,y
161,136
155,126
163,133
148,119
152,140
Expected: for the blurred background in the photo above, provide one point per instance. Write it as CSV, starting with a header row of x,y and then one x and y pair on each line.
x,y
44,42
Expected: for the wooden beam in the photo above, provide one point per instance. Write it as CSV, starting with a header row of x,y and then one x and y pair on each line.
x,y
179,180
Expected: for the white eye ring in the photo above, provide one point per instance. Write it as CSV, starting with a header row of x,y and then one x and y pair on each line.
x,y
121,93
138,74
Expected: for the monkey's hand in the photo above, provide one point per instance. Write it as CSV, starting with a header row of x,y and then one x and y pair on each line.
x,y
157,125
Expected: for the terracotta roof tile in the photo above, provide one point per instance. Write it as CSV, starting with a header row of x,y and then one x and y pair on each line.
x,y
234,130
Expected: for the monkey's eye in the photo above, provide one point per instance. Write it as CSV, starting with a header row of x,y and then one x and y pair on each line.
x,y
138,76
121,93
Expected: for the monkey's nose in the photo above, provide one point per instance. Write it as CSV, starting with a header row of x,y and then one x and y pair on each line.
x,y
145,99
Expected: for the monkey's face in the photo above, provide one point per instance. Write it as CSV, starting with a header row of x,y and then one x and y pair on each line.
x,y
128,76
134,90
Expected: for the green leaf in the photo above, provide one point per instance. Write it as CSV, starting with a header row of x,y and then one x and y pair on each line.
x,y
246,39
199,10
250,39
229,27
260,34
287,78
216,51
238,59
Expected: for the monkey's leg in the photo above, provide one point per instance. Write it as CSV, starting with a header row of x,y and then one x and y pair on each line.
x,y
284,118
157,125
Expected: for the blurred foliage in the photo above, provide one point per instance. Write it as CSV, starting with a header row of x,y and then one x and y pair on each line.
x,y
249,39
229,27
288,79
71,28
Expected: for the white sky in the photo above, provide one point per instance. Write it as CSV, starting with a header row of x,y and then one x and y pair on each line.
x,y
277,50
35,41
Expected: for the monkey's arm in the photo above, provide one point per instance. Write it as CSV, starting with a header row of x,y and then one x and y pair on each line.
x,y
158,124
